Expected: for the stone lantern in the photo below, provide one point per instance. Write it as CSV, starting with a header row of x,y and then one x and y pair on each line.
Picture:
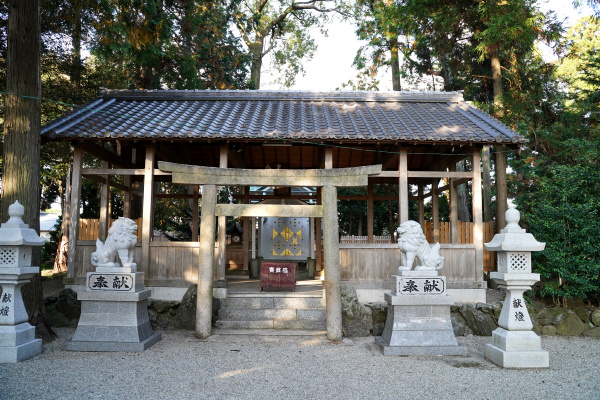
x,y
515,345
17,336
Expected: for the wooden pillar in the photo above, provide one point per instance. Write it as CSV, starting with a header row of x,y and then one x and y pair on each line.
x,y
222,225
477,216
318,237
195,196
435,206
403,187
421,205
147,207
104,220
501,188
311,238
370,228
246,233
487,187
453,208
253,227
333,298
205,263
127,195
74,217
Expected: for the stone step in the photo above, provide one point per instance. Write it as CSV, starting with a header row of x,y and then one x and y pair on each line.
x,y
272,313
274,302
272,324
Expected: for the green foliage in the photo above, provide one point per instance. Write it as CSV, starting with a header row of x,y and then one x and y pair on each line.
x,y
175,44
563,210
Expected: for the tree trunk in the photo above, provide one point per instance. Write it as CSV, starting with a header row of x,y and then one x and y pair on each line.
x,y
496,80
76,39
21,173
395,60
461,191
501,188
256,49
487,184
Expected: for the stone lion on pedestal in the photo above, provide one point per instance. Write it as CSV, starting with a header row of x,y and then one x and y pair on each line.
x,y
121,240
413,244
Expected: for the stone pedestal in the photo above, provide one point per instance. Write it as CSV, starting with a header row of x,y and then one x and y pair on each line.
x,y
17,337
514,344
114,314
418,320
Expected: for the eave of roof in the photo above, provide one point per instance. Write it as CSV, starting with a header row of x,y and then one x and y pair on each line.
x,y
233,114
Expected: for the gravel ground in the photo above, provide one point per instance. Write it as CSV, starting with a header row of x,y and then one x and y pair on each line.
x,y
278,367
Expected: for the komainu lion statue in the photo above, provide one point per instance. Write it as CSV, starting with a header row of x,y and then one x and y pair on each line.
x,y
413,244
121,240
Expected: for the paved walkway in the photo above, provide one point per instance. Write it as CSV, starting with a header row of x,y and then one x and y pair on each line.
x,y
283,367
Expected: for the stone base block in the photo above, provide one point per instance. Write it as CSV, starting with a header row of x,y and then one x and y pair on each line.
x,y
15,354
18,343
458,350
516,349
419,325
81,345
113,321
517,359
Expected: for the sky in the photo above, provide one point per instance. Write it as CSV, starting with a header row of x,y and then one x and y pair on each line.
x,y
332,64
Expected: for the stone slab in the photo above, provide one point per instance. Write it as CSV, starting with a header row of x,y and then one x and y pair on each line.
x,y
517,359
419,285
113,346
15,354
458,350
398,300
113,296
114,282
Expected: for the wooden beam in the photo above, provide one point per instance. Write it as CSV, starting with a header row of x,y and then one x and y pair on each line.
x,y
246,233
403,186
339,177
328,158
438,174
435,211
455,182
119,171
268,210
74,217
147,207
195,216
104,205
453,209
421,205
104,154
221,223
370,229
99,179
477,216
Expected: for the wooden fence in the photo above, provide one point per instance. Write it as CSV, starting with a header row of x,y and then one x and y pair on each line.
x,y
465,236
89,228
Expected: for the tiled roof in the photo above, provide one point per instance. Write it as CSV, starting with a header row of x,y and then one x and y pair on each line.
x,y
411,116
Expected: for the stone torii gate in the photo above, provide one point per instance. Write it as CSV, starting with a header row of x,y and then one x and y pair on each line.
x,y
328,179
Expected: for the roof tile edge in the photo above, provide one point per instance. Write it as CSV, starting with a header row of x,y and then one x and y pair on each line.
x,y
442,97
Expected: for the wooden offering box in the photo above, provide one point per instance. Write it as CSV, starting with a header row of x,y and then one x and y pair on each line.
x,y
275,274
